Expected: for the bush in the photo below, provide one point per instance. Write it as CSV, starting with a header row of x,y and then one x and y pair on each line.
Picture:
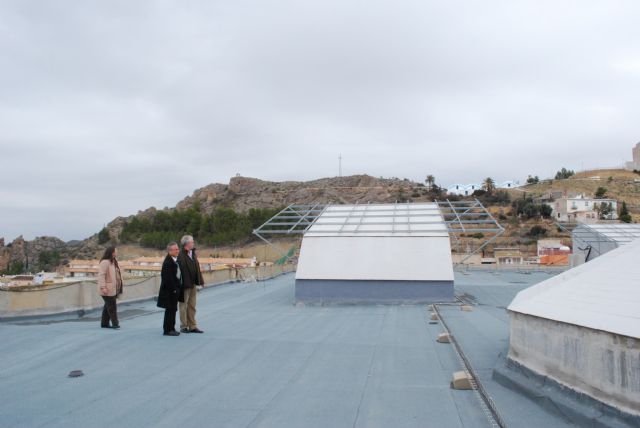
x,y
537,231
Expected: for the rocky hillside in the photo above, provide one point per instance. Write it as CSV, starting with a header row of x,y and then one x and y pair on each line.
x,y
241,194
42,253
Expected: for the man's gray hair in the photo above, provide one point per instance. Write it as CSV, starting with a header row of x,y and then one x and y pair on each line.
x,y
185,240
171,244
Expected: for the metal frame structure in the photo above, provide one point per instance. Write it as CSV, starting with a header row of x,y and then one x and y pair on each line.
x,y
604,235
459,218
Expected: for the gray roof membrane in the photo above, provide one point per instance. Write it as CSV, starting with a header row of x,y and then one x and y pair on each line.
x,y
265,362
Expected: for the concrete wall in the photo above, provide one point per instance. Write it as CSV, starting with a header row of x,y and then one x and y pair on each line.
x,y
603,365
373,292
83,295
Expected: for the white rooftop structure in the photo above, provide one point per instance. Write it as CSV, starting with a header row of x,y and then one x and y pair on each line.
x,y
376,252
581,328
603,294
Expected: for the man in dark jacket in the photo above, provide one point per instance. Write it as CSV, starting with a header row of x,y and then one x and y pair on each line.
x,y
191,277
170,286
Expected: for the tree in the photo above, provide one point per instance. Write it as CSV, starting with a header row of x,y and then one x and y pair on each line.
x,y
431,180
103,236
625,217
533,180
15,268
604,210
527,208
601,192
48,260
564,174
489,185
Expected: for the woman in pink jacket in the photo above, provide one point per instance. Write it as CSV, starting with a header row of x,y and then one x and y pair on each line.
x,y
110,286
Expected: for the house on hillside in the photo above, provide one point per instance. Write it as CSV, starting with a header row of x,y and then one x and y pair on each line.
x,y
463,189
509,184
581,209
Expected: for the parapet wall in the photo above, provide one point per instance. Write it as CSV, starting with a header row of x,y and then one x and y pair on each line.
x,y
603,365
83,295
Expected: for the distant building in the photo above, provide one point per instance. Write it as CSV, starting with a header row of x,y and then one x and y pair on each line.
x,y
509,184
581,209
82,268
508,256
553,252
468,189
463,189
635,163
47,278
149,266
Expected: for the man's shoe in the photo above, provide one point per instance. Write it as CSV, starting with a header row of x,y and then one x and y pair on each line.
x,y
171,333
105,326
196,330
185,330
115,327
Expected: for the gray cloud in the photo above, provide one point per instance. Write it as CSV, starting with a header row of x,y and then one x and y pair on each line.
x,y
110,107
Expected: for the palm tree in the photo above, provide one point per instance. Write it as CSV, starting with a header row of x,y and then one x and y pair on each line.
x,y
489,185
431,180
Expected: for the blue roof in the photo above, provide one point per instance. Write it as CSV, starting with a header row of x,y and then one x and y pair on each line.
x,y
264,362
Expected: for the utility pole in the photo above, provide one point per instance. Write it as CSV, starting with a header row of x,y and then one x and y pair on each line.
x,y
340,165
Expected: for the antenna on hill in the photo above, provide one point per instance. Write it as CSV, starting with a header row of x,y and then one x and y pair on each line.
x,y
340,165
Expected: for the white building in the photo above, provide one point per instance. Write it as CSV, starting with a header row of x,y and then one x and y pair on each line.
x,y
581,209
468,189
463,189
509,184
635,163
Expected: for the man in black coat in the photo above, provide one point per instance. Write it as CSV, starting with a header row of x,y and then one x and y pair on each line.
x,y
191,278
170,289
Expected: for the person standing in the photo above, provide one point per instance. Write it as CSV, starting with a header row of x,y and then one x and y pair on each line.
x,y
170,285
109,287
191,277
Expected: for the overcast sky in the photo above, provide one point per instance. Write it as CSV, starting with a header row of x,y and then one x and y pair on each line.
x,y
110,107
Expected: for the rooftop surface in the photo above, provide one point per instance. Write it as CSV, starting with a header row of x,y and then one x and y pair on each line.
x,y
265,362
